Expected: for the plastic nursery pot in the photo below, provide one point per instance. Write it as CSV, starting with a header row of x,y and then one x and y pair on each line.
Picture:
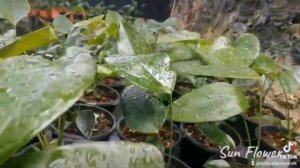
x,y
234,162
34,12
105,123
45,14
126,133
116,83
195,153
272,138
252,124
101,96
175,162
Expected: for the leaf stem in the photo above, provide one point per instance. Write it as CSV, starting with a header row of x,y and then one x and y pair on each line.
x,y
247,131
61,125
287,111
171,129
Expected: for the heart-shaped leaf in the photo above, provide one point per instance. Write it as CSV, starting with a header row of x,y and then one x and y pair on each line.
x,y
239,72
131,41
31,41
230,56
212,102
216,135
14,10
35,91
114,154
143,112
264,64
249,42
147,71
62,24
85,122
288,81
223,51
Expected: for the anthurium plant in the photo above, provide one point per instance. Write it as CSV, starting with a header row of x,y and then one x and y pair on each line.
x,y
43,73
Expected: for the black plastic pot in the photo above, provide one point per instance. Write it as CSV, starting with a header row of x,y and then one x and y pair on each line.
x,y
110,106
196,154
118,86
239,161
175,162
98,137
176,147
239,125
265,145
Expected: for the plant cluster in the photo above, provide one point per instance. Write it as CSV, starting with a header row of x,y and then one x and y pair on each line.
x,y
44,73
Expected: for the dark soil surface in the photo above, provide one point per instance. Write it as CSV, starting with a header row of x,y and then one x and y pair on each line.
x,y
183,87
164,133
112,81
98,95
102,126
199,136
278,141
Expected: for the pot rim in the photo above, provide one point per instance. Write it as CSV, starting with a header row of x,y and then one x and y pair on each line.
x,y
120,133
113,103
239,146
93,137
278,115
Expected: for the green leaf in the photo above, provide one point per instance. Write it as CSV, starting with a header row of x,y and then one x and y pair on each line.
x,y
230,56
14,10
150,33
114,154
264,64
35,91
181,52
195,68
249,42
266,120
146,71
216,135
85,122
179,36
62,24
143,112
93,21
213,102
288,81
131,41
29,42
222,51
112,23
105,71
217,164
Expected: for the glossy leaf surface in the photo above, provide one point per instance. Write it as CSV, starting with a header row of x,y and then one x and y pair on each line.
x,y
143,112
114,154
29,42
14,10
195,68
147,71
212,102
35,91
